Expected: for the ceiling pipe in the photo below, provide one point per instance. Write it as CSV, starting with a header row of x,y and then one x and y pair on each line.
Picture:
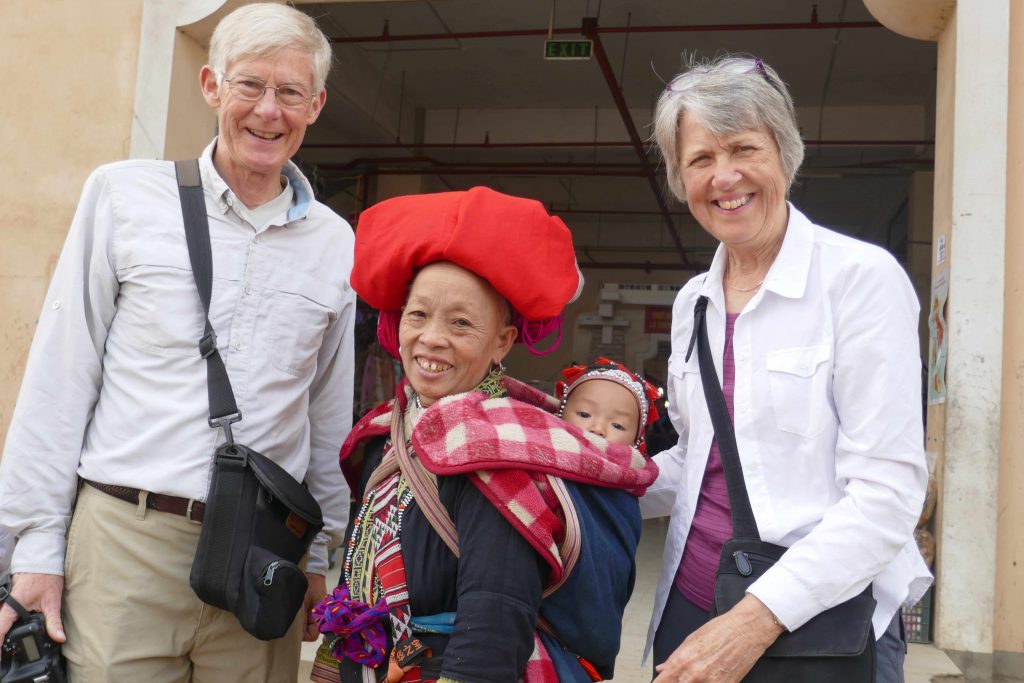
x,y
435,167
525,172
645,266
586,145
685,28
589,29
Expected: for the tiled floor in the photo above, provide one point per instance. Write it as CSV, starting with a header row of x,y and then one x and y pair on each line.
x,y
923,661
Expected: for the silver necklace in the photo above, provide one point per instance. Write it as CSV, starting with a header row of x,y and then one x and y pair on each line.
x,y
748,289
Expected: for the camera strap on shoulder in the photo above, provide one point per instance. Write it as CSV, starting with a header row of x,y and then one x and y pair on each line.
x,y
223,409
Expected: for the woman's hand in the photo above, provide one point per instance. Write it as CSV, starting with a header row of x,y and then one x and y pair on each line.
x,y
724,649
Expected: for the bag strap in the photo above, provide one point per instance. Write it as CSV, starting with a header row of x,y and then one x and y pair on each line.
x,y
743,523
223,409
423,484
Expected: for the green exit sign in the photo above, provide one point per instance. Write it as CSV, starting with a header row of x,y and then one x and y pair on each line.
x,y
568,49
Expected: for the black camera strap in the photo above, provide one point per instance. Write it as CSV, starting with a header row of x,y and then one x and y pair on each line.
x,y
223,409
8,599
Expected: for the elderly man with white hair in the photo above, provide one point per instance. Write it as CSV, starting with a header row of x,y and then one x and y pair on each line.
x,y
108,459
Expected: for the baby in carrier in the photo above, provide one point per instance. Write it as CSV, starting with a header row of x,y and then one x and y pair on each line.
x,y
607,399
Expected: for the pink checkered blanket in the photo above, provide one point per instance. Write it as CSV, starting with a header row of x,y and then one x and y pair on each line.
x,y
508,447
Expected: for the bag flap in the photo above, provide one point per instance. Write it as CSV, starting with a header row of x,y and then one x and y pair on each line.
x,y
281,484
841,631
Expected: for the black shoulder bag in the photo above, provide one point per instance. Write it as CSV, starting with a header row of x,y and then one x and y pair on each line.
x,y
837,645
259,522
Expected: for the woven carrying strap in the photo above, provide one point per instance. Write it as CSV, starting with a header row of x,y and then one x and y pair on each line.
x,y
423,484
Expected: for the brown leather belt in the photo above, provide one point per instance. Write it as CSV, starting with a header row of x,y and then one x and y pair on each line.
x,y
189,508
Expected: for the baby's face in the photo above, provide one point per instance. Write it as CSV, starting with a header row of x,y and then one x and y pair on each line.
x,y
605,408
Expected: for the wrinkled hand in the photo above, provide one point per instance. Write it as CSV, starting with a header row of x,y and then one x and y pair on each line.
x,y
36,593
315,593
724,649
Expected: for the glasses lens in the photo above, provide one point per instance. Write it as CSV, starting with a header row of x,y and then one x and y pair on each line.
x,y
247,88
290,96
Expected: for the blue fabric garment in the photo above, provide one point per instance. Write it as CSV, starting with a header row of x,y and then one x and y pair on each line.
x,y
567,667
586,612
443,623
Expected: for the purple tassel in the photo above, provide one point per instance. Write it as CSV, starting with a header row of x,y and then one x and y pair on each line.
x,y
387,331
360,627
531,332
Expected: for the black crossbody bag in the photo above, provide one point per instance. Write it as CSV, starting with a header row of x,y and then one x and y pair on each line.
x,y
837,645
259,522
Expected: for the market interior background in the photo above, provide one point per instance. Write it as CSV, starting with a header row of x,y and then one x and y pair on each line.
x,y
438,95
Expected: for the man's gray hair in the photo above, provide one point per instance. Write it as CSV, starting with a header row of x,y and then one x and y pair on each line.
x,y
261,29
727,95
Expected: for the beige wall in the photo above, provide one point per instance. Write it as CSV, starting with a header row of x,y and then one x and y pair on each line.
x,y
72,66
191,123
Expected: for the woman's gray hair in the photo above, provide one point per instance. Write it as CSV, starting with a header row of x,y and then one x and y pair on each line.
x,y
262,29
727,95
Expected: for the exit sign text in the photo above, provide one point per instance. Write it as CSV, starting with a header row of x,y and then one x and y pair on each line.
x,y
568,49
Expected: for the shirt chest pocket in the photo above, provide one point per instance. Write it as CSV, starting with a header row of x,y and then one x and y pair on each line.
x,y
689,395
158,307
296,323
799,383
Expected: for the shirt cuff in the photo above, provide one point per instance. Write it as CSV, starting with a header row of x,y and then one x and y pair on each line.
x,y
39,552
317,563
786,596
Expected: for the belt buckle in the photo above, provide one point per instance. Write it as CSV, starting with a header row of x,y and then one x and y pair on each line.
x,y
188,511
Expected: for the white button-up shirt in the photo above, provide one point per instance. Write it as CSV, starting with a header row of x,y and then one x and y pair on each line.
x,y
827,419
115,390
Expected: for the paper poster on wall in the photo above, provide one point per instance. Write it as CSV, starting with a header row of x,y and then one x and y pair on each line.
x,y
940,251
937,339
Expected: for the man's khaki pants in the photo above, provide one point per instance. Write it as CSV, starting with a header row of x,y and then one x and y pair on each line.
x,y
131,616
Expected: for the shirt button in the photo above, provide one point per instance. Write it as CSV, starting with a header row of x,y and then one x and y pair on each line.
x,y
248,289
55,304
229,201
237,346
256,239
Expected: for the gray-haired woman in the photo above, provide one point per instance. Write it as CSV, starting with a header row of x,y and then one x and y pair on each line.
x,y
815,339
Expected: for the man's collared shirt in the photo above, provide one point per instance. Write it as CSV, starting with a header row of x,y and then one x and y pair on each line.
x,y
115,390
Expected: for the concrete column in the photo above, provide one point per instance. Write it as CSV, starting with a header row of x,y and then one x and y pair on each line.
x,y
975,322
1008,626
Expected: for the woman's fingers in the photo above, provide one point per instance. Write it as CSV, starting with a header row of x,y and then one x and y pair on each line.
x,y
724,649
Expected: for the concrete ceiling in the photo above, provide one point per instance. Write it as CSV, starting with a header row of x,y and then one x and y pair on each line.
x,y
861,85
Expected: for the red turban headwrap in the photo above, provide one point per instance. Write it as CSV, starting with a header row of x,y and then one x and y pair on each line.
x,y
512,242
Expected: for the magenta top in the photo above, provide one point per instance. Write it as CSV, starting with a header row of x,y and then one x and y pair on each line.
x,y
712,523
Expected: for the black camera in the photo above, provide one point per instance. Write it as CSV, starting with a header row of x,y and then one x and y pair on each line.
x,y
28,654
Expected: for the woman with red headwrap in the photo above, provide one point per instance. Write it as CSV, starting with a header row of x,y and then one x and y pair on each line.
x,y
489,541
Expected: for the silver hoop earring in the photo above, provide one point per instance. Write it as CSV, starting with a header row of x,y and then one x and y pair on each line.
x,y
497,368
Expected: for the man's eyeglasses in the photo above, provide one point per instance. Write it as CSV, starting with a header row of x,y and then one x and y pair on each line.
x,y
253,89
740,65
